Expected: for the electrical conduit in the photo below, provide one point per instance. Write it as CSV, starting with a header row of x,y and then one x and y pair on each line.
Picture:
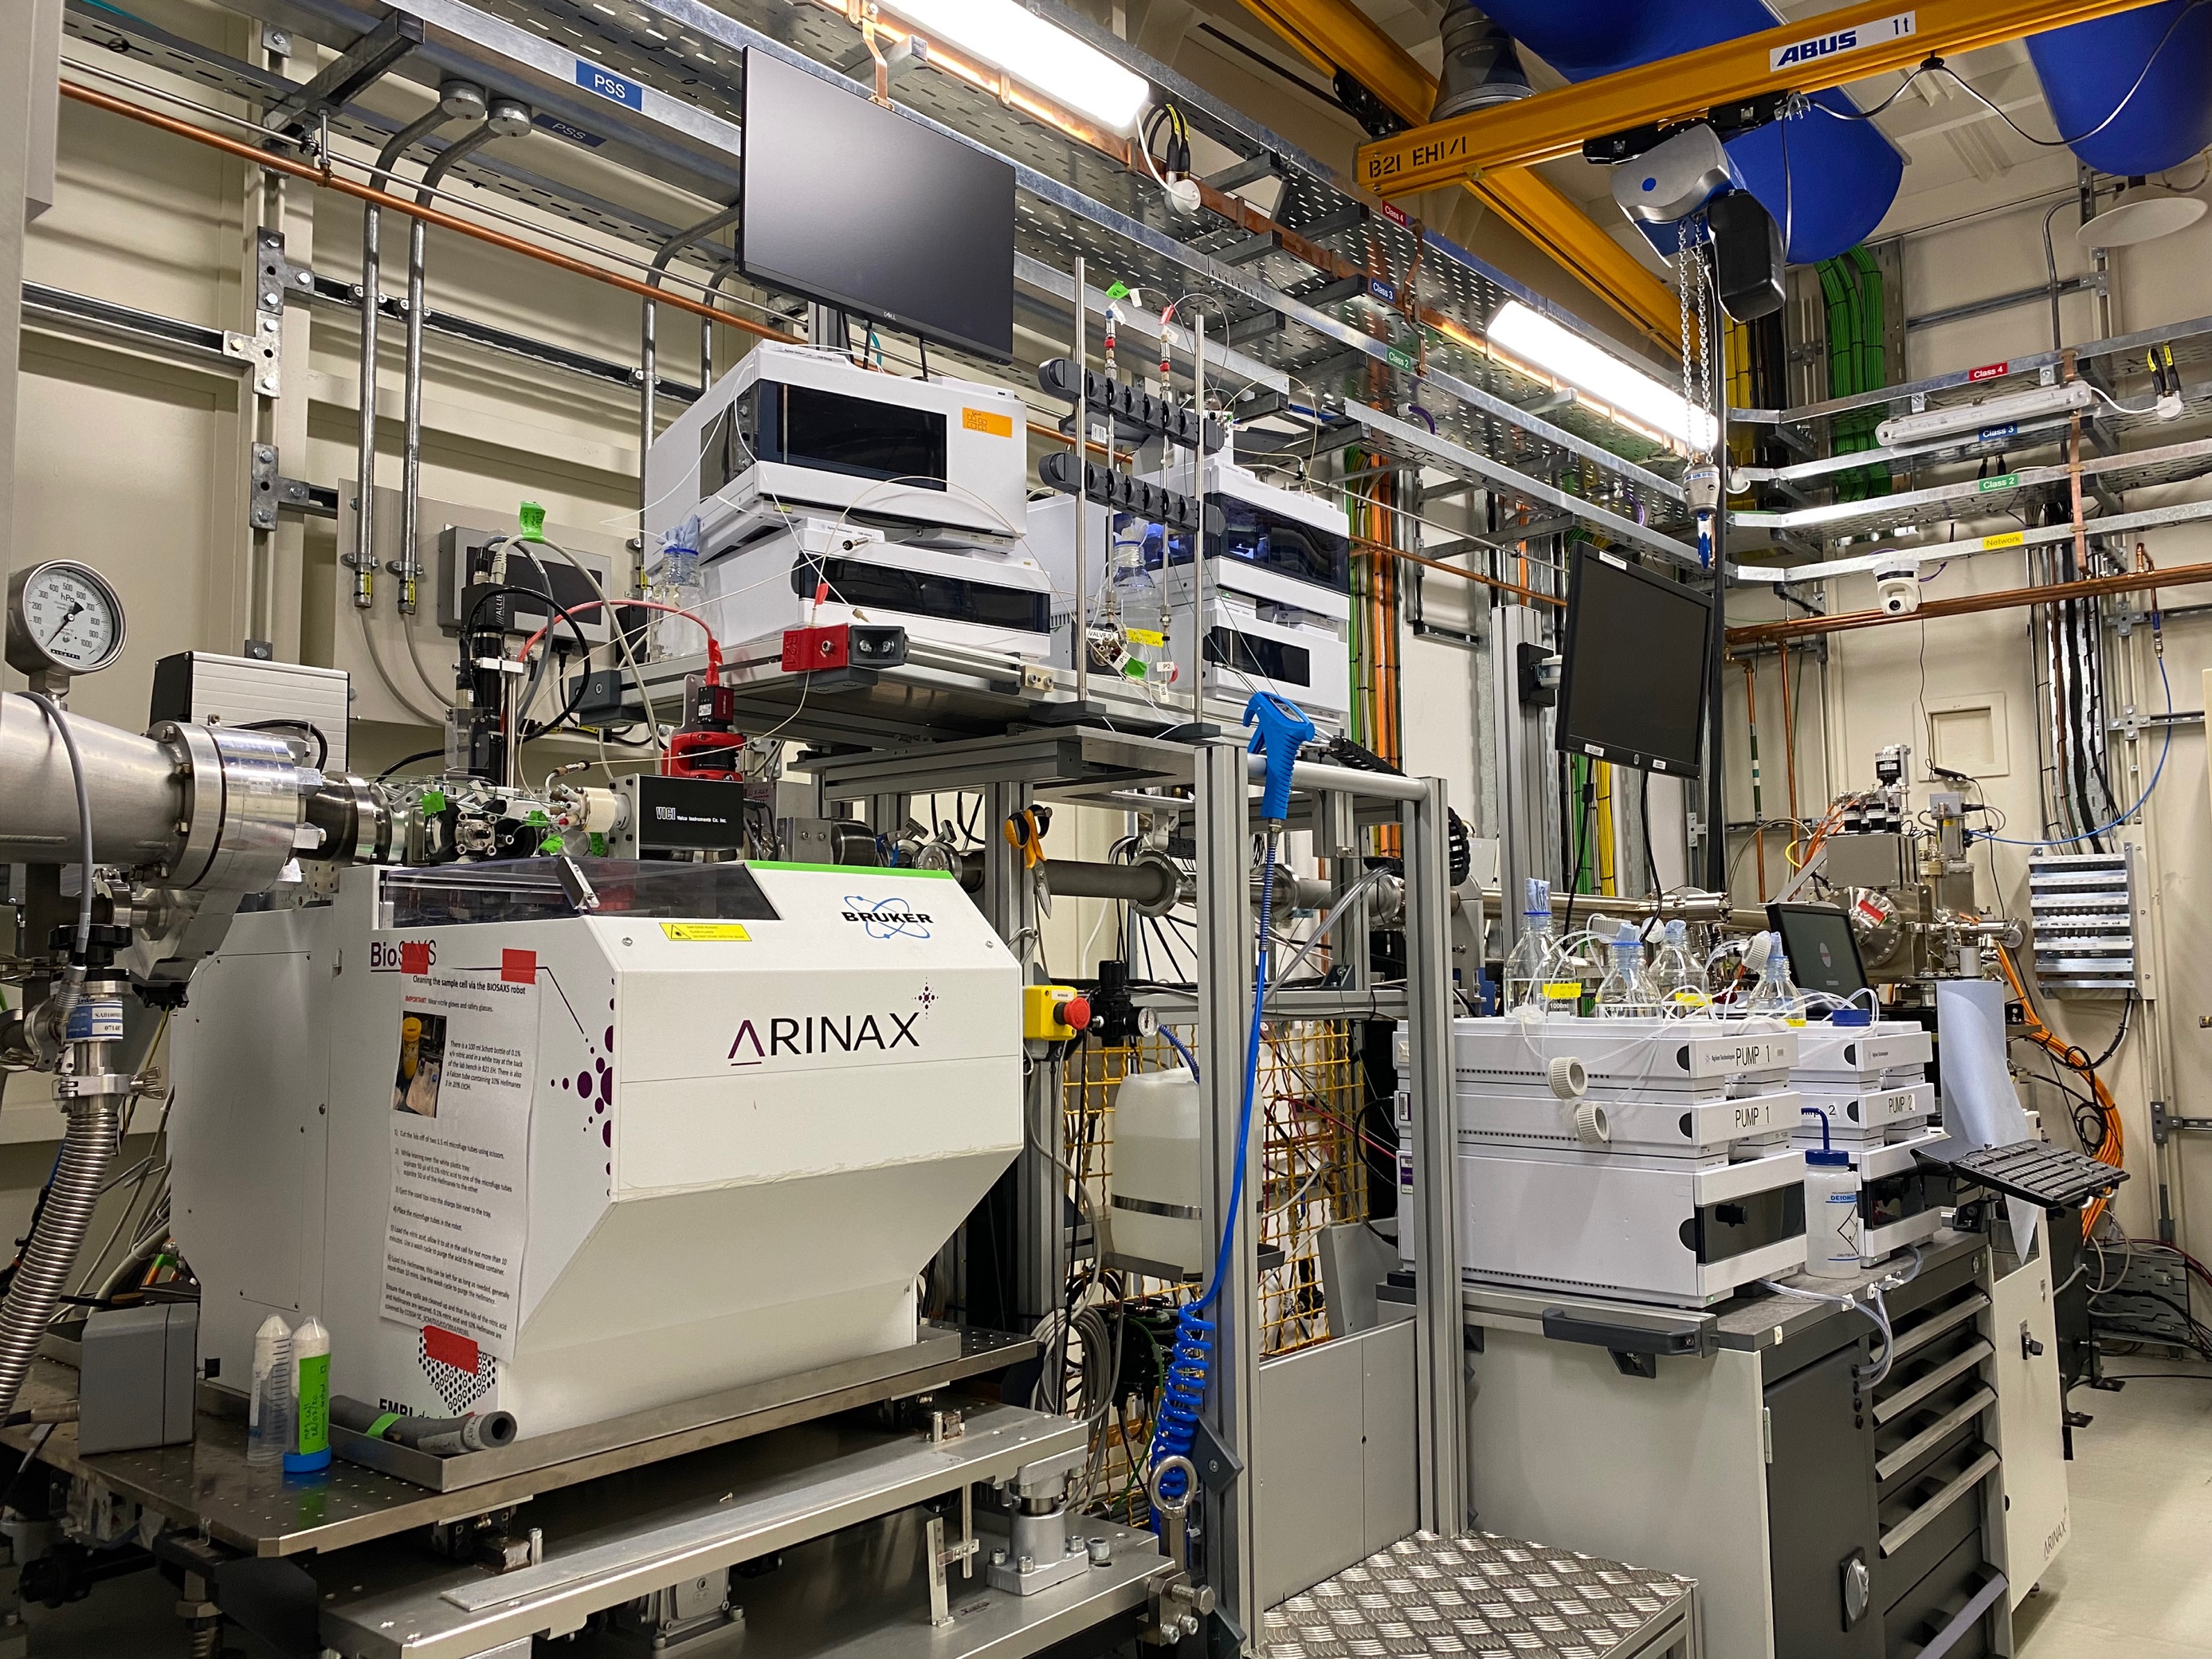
x,y
88,1146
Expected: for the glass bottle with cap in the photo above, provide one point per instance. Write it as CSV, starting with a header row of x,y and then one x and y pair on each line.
x,y
1677,981
1626,992
1776,994
676,579
1535,963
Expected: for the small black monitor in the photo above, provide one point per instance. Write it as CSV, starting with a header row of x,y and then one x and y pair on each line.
x,y
1633,679
1824,952
862,207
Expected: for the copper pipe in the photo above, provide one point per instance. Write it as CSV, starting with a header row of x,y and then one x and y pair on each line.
x,y
1529,593
1789,739
330,181
1757,804
2011,599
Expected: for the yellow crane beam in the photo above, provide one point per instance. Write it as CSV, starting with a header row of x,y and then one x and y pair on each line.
x,y
1828,50
1335,34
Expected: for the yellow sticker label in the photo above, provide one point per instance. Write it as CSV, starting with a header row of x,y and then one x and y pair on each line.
x,y
1564,990
1146,636
984,420
707,932
2010,538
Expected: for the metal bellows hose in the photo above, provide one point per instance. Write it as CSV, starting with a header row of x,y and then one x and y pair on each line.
x,y
88,1148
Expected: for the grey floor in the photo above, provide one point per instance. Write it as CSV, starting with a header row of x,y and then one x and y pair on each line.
x,y
2132,1580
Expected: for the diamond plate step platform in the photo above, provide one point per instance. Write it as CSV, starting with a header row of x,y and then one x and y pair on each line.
x,y
1486,1597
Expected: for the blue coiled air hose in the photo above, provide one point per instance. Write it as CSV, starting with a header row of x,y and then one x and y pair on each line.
x,y
1280,729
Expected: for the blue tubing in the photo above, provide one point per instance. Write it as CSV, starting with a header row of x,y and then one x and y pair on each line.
x,y
1189,1363
1182,1390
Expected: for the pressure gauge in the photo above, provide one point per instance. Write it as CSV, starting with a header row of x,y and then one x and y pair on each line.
x,y
62,618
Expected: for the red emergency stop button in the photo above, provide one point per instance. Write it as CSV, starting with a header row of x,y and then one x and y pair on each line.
x,y
1075,1013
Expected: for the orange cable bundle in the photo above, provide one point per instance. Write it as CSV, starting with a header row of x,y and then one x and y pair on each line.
x,y
2111,1150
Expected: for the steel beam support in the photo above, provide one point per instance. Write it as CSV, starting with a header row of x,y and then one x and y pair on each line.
x,y
1337,838
346,77
1715,842
1009,904
1336,34
1526,826
1439,1345
1554,124
1225,967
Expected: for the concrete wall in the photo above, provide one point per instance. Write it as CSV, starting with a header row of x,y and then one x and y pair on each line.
x,y
1881,685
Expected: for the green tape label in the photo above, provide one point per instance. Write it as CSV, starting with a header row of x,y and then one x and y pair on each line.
x,y
377,1429
314,1434
2002,481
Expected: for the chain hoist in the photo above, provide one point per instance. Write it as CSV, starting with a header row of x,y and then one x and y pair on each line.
x,y
1701,478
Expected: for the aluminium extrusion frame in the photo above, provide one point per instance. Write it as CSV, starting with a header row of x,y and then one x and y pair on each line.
x,y
1211,781
505,56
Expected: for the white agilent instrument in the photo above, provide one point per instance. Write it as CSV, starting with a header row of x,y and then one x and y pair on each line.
x,y
1646,1158
1870,1083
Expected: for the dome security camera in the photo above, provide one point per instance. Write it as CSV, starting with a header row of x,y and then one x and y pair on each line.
x,y
1897,585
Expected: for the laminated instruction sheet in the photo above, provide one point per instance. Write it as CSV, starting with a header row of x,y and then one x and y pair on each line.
x,y
460,1154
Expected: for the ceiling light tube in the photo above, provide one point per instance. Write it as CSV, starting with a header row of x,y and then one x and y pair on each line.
x,y
1039,54
1605,377
1994,417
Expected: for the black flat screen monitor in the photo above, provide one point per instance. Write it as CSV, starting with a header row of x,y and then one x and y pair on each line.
x,y
1823,951
1633,684
860,208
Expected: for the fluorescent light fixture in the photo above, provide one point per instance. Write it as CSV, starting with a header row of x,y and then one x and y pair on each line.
x,y
1539,340
2143,213
1995,417
1042,55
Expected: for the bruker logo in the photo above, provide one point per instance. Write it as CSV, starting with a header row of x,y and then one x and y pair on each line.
x,y
818,1034
889,918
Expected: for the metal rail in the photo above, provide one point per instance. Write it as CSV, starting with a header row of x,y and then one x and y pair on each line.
x,y
1074,192
438,217
2115,524
1984,376
2133,581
